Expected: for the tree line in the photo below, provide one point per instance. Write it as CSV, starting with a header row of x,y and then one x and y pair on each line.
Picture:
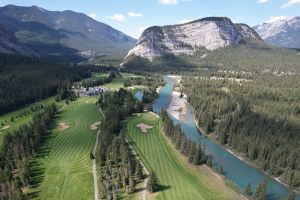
x,y
17,149
259,118
119,170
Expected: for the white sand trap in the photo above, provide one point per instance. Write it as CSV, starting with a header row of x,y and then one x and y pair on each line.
x,y
95,125
144,127
5,127
63,126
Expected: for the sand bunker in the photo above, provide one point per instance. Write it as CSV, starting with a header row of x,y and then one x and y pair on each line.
x,y
63,126
5,127
95,125
144,127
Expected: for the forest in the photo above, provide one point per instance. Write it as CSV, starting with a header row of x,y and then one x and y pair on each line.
x,y
18,148
257,116
26,80
118,168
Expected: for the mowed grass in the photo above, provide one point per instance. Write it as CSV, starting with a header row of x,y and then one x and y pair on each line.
x,y
178,179
63,169
11,126
118,82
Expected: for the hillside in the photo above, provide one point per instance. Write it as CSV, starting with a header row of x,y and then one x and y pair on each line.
x,y
10,45
67,34
186,39
282,32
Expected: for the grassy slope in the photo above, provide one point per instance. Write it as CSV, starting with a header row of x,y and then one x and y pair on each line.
x,y
23,120
179,179
63,168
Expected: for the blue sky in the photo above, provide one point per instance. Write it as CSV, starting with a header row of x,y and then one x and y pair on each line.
x,y
132,16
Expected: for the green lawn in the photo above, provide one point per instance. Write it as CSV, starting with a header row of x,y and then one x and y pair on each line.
x,y
63,169
179,179
118,82
18,121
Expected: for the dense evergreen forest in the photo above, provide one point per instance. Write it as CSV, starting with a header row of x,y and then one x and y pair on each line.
x,y
16,151
25,80
259,116
118,168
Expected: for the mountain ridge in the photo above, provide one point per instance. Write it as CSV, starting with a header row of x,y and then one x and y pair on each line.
x,y
209,33
63,33
284,32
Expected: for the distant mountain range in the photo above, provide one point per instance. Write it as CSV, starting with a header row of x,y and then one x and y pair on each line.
x,y
284,32
54,34
187,39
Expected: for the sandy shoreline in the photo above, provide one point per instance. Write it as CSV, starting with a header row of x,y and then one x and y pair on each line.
x,y
178,106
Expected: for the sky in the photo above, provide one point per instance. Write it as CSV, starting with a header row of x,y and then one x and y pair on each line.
x,y
133,16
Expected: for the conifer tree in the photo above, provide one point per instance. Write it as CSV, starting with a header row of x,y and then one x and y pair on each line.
x,y
152,185
260,192
248,189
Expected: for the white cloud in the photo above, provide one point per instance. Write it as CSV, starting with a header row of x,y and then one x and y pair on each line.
x,y
118,17
168,2
133,14
263,1
290,3
171,2
92,15
277,18
184,21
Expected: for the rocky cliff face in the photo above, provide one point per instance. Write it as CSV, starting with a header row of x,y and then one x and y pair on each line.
x,y
283,32
210,33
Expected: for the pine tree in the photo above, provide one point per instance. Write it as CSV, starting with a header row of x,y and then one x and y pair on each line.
x,y
260,191
139,171
198,156
192,152
131,185
152,185
248,189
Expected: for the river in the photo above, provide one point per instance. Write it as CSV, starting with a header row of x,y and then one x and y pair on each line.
x,y
235,169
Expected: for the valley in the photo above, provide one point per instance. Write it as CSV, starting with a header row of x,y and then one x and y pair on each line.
x,y
109,101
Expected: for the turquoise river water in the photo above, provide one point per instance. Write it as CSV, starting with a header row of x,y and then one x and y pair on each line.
x,y
236,170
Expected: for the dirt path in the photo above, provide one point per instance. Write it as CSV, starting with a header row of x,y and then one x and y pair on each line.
x,y
95,168
94,163
144,192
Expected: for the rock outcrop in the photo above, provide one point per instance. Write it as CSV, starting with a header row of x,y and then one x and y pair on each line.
x,y
284,32
210,33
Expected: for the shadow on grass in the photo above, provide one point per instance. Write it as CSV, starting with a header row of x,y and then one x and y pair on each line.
x,y
37,168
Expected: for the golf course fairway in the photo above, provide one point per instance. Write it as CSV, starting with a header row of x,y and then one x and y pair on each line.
x,y
178,179
63,168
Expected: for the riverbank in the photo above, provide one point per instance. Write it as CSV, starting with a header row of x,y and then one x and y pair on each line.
x,y
178,106
174,112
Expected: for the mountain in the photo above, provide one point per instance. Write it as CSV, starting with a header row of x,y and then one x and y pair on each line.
x,y
63,34
283,32
185,39
10,45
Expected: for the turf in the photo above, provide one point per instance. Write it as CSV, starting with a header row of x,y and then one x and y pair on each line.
x,y
63,168
178,179
24,119
118,82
